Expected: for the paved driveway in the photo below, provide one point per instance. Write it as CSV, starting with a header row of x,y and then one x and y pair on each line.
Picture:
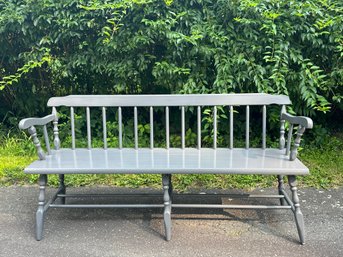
x,y
139,232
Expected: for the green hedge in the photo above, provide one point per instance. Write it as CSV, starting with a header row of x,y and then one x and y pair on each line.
x,y
152,46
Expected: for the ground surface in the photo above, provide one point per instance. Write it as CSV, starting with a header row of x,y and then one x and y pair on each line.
x,y
128,232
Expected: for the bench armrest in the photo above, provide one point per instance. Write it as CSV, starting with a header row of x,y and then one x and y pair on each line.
x,y
297,120
303,123
29,122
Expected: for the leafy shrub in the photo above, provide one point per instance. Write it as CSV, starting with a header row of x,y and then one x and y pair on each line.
x,y
63,47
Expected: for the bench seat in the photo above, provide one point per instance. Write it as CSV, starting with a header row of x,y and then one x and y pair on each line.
x,y
165,161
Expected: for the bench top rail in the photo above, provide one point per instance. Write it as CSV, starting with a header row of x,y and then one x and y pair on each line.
x,y
167,100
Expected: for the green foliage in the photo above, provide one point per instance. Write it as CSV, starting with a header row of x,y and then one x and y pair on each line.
x,y
51,48
154,46
27,68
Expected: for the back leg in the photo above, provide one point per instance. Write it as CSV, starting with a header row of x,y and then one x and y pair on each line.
x,y
281,188
62,188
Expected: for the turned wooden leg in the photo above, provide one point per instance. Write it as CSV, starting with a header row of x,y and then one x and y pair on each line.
x,y
281,189
62,188
170,191
167,205
299,219
40,211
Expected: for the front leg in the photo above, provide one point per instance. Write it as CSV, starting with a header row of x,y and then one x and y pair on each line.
x,y
40,211
167,205
170,191
299,219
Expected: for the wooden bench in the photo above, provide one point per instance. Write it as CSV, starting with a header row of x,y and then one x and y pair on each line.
x,y
169,160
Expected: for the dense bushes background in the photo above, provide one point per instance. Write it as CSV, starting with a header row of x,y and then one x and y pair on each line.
x,y
51,48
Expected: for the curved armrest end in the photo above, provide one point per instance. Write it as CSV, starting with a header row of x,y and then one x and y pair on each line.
x,y
305,122
29,122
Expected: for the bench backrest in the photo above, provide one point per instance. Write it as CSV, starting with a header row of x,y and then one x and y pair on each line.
x,y
166,101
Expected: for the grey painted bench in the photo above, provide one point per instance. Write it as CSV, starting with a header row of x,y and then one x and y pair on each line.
x,y
167,161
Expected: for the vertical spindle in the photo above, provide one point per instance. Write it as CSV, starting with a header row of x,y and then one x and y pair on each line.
x,y
289,139
282,129
46,138
231,127
182,127
151,127
72,120
167,128
104,126
294,151
264,126
33,132
57,141
247,126
120,124
215,127
136,127
199,127
89,139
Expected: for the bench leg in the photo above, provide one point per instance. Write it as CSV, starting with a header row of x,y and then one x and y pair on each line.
x,y
299,219
170,191
281,188
167,205
62,188
40,211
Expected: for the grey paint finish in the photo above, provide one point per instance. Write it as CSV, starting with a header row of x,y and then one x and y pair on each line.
x,y
57,141
166,179
46,139
282,129
299,219
298,120
199,127
120,124
183,132
72,124
247,126
29,122
167,100
169,161
167,127
33,132
175,160
40,211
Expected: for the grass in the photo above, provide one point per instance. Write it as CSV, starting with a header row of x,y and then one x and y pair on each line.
x,y
325,163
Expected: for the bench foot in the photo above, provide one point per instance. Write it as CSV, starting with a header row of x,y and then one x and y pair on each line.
x,y
167,223
40,211
281,189
167,189
299,219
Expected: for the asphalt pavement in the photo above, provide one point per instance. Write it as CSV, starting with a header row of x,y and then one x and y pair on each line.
x,y
139,232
